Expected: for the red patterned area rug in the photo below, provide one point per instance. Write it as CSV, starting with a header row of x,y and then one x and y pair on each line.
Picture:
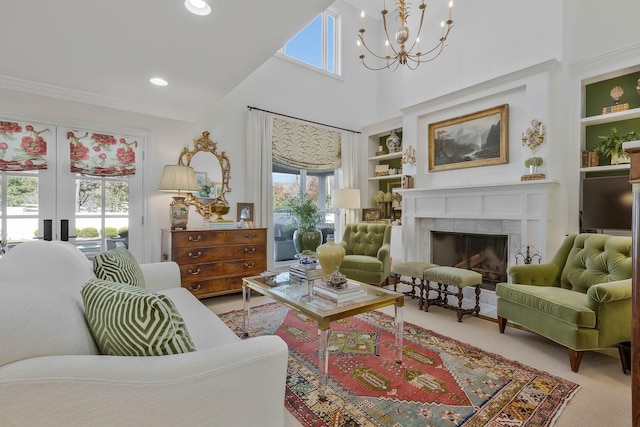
x,y
441,382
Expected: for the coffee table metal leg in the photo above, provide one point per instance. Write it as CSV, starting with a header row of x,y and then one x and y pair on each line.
x,y
323,364
399,321
246,297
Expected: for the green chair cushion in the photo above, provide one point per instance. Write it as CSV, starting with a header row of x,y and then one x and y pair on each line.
x,y
596,258
118,265
412,268
453,276
563,304
130,321
361,262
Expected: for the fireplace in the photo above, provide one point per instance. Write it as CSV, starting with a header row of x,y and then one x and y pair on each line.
x,y
486,254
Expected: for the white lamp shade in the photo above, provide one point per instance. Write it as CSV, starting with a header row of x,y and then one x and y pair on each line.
x,y
345,198
178,178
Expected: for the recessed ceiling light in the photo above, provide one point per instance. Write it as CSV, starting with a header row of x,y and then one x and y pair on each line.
x,y
158,81
198,7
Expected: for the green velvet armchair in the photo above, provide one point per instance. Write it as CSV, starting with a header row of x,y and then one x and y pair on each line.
x,y
581,299
368,252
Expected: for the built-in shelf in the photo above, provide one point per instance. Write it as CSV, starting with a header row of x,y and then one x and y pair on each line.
x,y
382,178
612,117
388,156
605,168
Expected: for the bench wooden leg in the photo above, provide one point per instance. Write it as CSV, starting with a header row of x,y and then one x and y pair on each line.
x,y
575,357
477,307
459,310
502,324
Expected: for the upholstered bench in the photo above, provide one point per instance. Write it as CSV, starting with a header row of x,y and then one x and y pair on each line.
x,y
444,277
414,270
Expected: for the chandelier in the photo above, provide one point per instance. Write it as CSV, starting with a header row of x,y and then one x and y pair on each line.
x,y
397,54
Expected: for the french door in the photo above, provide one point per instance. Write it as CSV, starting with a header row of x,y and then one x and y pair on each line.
x,y
94,213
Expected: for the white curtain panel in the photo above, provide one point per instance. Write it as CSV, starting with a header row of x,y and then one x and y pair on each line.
x,y
348,176
258,173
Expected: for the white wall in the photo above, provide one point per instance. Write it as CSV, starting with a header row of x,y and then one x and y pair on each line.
x,y
491,39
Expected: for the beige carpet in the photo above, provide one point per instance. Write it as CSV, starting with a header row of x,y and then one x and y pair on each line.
x,y
603,400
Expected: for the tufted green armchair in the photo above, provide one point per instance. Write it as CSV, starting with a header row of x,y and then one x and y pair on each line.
x,y
368,257
581,299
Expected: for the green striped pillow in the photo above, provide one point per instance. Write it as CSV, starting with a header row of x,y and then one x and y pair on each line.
x,y
118,265
129,321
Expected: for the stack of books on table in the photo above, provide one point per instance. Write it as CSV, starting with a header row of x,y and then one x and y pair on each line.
x,y
305,274
226,224
348,292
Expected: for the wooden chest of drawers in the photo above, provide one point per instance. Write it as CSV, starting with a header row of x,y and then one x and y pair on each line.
x,y
213,262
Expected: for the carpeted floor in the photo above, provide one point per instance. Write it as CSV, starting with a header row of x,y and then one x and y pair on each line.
x,y
441,382
605,394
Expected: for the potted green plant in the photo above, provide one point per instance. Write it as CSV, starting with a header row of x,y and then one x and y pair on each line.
x,y
305,216
611,145
532,163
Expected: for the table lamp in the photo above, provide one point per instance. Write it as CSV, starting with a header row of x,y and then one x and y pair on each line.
x,y
177,178
345,198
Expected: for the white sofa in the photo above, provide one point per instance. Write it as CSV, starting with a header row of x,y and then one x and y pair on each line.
x,y
51,372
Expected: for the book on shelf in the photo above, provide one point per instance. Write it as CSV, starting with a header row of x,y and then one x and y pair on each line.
x,y
332,296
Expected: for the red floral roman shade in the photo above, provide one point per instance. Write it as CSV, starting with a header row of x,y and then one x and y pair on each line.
x,y
23,147
98,154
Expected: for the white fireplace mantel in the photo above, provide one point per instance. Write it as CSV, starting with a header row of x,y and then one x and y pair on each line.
x,y
523,207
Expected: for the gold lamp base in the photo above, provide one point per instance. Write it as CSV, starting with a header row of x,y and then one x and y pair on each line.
x,y
178,213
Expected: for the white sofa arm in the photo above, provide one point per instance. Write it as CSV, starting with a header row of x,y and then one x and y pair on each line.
x,y
161,275
239,384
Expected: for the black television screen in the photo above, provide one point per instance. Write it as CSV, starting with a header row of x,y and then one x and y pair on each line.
x,y
607,203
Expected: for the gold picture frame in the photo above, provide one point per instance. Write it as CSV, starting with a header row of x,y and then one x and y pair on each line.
x,y
371,214
472,140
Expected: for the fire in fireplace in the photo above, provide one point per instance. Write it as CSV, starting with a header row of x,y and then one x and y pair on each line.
x,y
486,254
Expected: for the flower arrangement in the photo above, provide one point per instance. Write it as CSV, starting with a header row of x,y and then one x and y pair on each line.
x,y
378,197
533,161
534,136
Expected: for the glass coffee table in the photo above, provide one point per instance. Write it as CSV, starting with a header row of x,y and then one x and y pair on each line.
x,y
324,311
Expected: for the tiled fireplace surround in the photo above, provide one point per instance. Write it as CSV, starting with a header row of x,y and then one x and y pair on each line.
x,y
521,210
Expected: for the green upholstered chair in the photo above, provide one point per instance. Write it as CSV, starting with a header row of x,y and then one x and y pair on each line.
x,y
581,299
368,257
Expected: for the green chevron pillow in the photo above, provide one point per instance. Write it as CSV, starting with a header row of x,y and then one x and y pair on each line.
x,y
129,321
118,265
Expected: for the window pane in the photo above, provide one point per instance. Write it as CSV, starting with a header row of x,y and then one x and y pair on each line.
x,y
116,197
21,229
331,47
88,196
22,195
307,45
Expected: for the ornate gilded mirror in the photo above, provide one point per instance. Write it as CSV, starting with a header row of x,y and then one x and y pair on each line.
x,y
213,172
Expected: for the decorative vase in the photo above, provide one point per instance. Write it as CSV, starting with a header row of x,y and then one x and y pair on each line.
x,y
307,240
330,256
393,142
204,191
533,169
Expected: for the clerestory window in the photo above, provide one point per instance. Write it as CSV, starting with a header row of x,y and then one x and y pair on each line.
x,y
316,44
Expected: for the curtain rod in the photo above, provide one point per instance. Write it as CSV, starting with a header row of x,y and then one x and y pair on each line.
x,y
298,118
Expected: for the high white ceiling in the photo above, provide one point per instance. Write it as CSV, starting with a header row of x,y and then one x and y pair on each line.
x,y
103,52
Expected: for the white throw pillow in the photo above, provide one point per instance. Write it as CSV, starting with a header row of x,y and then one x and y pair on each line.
x,y
37,321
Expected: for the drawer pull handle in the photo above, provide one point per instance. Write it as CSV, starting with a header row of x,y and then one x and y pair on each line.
x,y
190,271
249,250
250,235
191,255
249,264
195,239
192,289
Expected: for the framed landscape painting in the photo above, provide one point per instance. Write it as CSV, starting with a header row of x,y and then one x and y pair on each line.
x,y
472,140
